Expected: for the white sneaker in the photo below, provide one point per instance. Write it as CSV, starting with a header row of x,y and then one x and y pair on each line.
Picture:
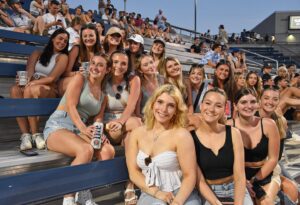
x,y
25,141
84,198
69,201
38,139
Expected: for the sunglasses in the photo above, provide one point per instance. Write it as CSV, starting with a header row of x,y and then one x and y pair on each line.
x,y
270,87
116,35
120,90
148,160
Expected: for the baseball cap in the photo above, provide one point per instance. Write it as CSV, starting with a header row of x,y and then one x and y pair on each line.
x,y
113,30
268,65
160,40
233,50
136,38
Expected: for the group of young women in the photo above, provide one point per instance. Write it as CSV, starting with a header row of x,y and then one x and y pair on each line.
x,y
146,108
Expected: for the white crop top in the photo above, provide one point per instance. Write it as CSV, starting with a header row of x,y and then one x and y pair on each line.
x,y
46,70
163,171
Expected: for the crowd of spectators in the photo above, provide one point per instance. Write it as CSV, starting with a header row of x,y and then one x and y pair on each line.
x,y
108,76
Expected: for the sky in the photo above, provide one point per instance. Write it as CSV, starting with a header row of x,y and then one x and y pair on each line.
x,y
235,15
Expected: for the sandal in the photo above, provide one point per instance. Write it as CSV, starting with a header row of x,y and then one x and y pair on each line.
x,y
132,200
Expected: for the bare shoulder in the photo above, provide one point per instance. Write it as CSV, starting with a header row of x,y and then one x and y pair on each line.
x,y
62,56
181,133
139,131
236,134
267,122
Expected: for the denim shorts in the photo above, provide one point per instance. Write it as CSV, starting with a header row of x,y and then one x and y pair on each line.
x,y
227,191
59,120
146,199
108,116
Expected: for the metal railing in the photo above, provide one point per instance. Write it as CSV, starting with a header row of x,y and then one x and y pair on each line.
x,y
261,56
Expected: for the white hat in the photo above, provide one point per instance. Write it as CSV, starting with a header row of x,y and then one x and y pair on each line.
x,y
136,38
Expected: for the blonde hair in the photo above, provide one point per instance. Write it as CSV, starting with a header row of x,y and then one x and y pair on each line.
x,y
179,119
177,82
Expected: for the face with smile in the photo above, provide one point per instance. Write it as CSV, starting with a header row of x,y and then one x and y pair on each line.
x,y
89,37
157,48
60,42
247,105
114,39
173,69
213,107
196,76
134,47
119,64
241,81
252,80
222,72
98,67
148,66
164,108
269,100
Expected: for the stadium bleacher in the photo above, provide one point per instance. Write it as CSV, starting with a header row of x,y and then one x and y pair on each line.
x,y
12,162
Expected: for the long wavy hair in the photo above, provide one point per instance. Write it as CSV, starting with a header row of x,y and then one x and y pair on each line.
x,y
257,87
179,119
127,75
177,82
277,118
229,83
160,66
49,48
83,52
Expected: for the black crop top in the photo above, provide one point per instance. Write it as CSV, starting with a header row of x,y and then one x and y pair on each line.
x,y
215,167
260,152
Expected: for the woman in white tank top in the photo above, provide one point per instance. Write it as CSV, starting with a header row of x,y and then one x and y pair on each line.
x,y
157,161
44,69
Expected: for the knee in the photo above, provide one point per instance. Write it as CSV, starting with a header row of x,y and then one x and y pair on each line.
x,y
15,92
107,152
85,152
132,123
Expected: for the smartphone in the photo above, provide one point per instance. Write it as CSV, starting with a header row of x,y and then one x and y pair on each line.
x,y
59,20
29,152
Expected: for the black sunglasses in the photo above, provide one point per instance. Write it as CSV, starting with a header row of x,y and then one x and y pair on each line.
x,y
120,90
117,35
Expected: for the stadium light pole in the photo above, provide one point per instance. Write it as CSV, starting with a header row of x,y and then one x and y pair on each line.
x,y
195,15
125,5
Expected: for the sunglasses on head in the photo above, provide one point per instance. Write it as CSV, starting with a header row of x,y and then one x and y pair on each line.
x,y
117,35
120,90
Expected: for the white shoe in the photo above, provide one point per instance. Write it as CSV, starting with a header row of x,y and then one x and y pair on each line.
x,y
25,141
69,201
84,198
38,139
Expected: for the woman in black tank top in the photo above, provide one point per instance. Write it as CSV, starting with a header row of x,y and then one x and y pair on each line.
x,y
268,104
220,154
259,135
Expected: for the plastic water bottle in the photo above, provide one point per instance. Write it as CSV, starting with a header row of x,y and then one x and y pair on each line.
x,y
96,141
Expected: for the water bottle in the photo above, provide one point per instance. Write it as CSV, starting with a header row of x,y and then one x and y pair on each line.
x,y
96,140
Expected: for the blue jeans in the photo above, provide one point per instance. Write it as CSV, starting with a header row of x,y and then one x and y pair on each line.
x,y
146,199
227,191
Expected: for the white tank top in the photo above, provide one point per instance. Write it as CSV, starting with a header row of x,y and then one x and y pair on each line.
x,y
163,171
46,70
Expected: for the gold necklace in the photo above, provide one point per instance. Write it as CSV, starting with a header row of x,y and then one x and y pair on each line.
x,y
157,135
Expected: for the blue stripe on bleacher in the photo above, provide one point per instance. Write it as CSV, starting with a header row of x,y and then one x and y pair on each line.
x,y
10,69
27,107
14,48
39,185
24,37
